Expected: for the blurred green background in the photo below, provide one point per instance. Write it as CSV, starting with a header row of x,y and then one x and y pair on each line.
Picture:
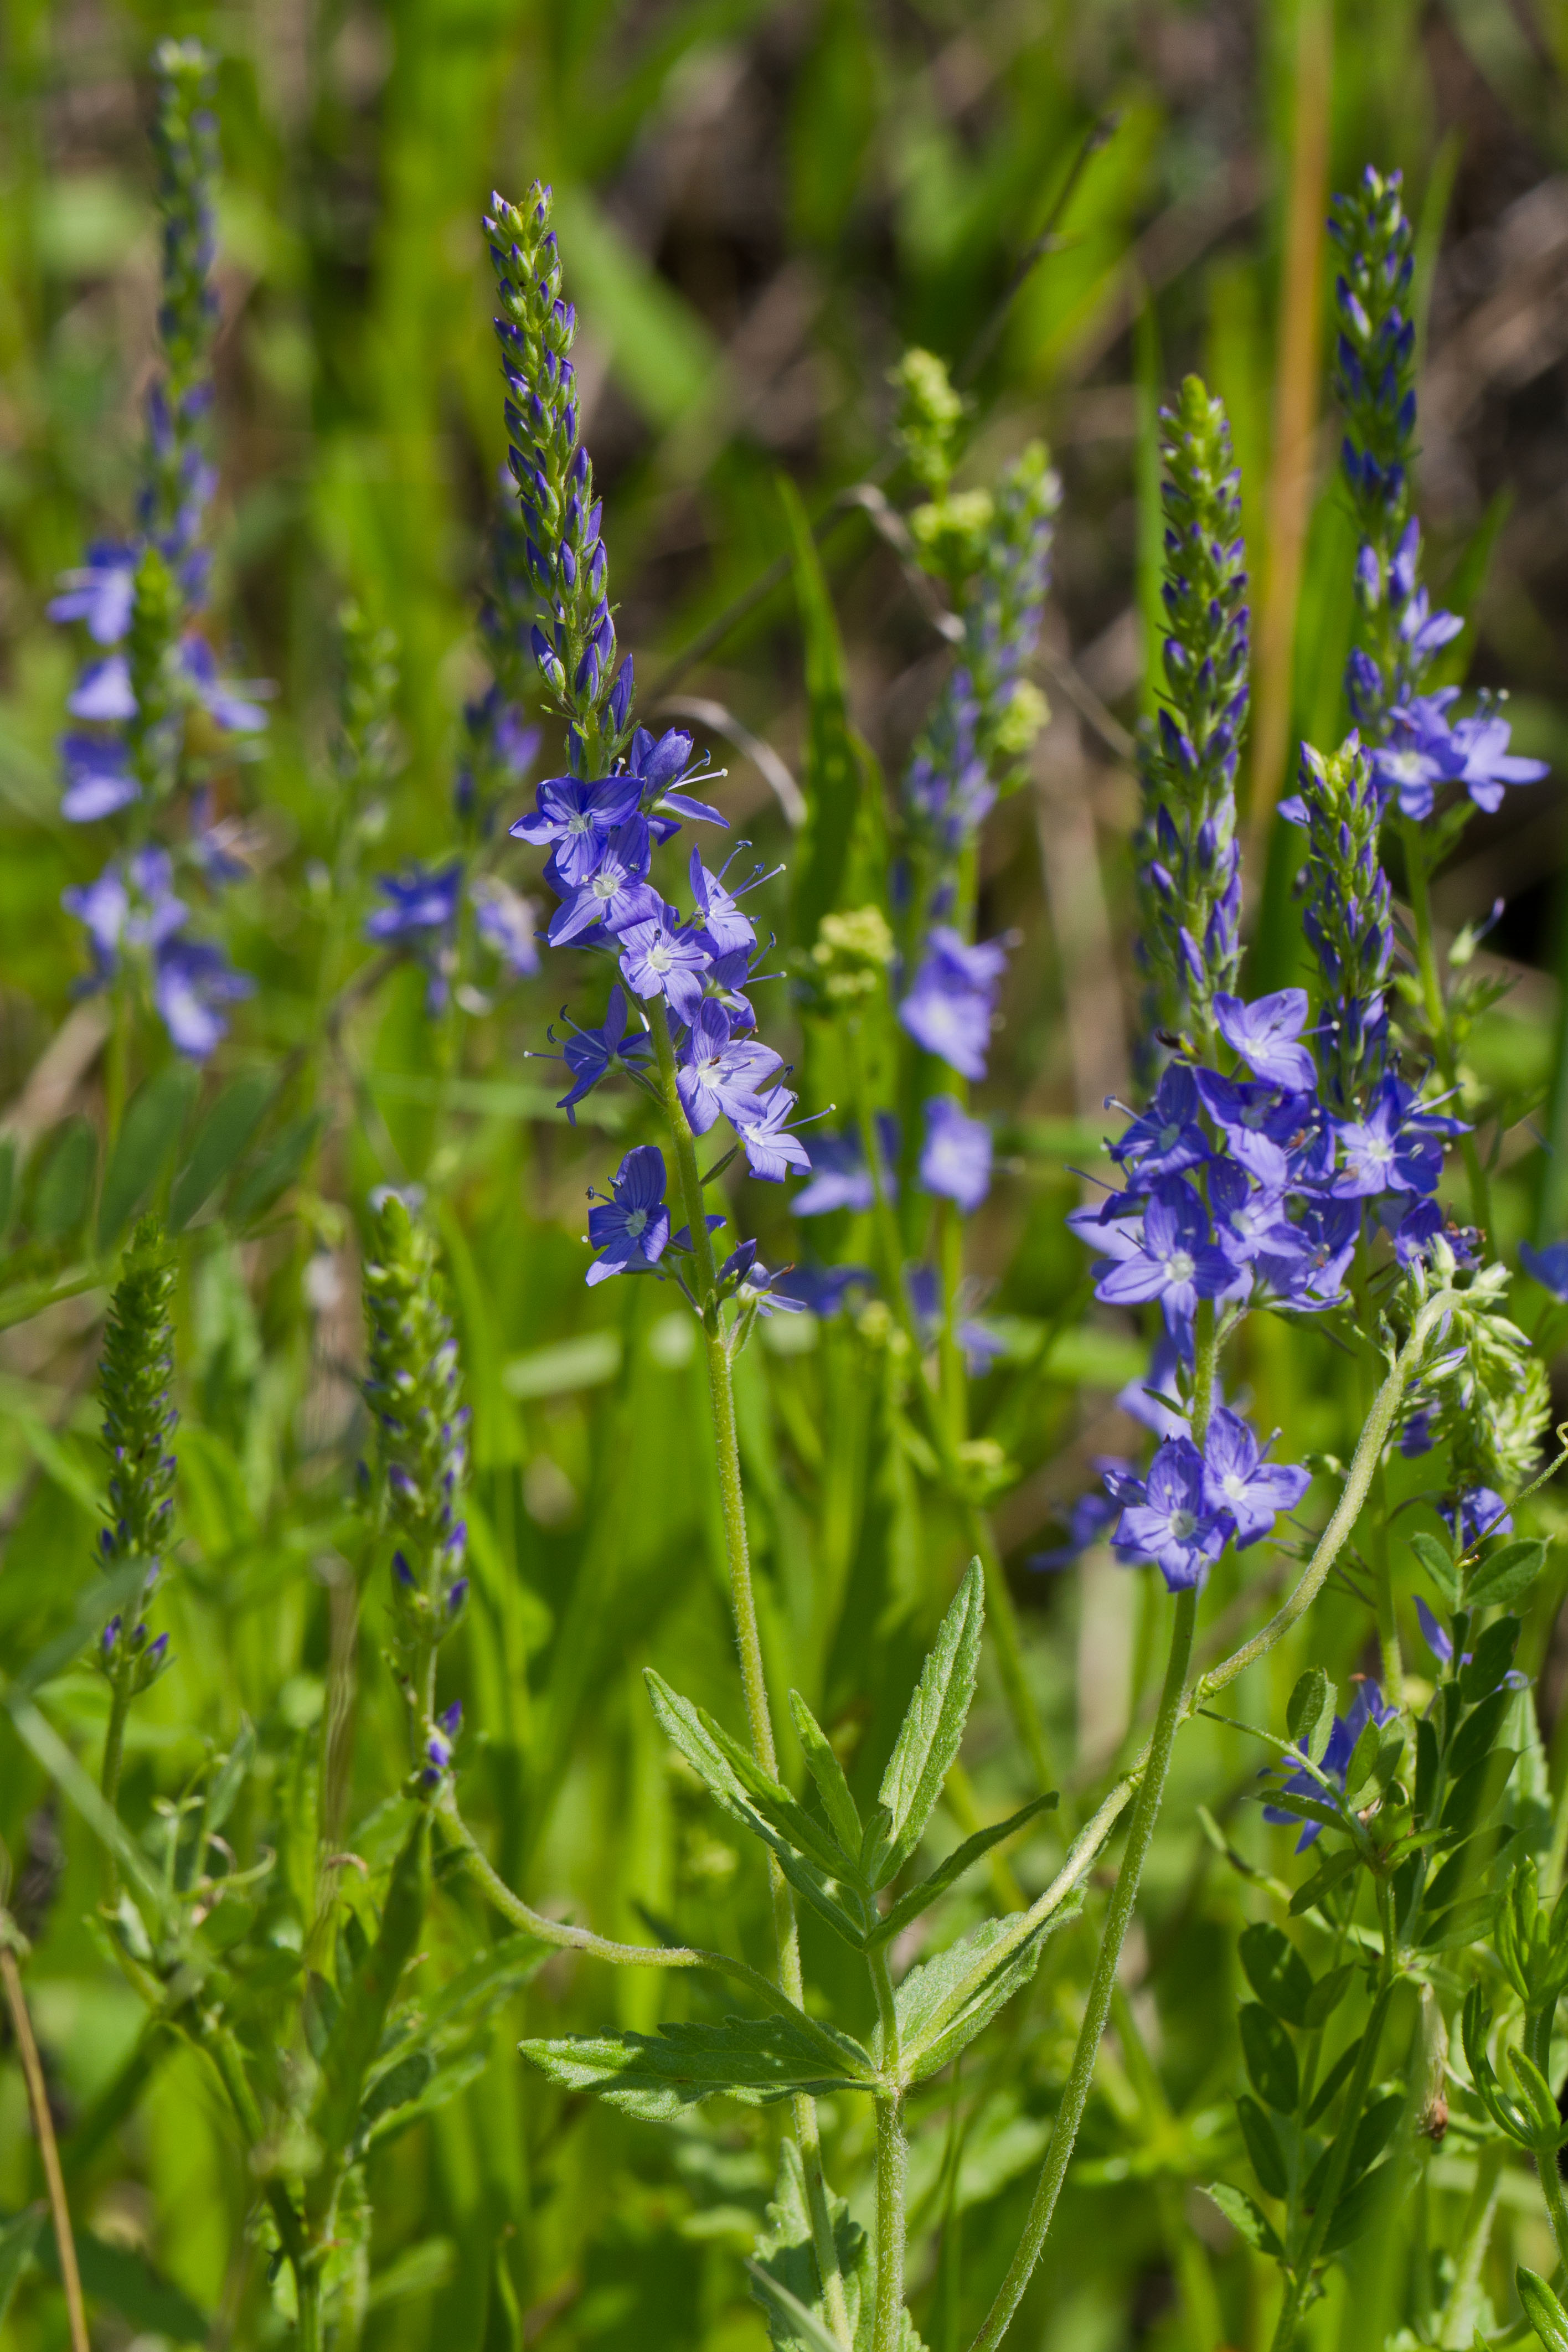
x,y
760,205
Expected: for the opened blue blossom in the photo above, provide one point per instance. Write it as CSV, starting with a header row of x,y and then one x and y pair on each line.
x,y
1265,1034
956,1158
660,956
720,1073
591,1054
949,1007
1170,1256
1237,1478
630,1230
1167,1518
1548,1266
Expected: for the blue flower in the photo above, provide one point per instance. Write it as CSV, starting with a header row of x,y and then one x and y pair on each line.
x,y
1548,1266
821,1289
504,922
1367,1708
948,1009
660,956
98,782
1167,1518
1166,1139
753,1289
771,1147
840,1178
1264,1033
191,979
718,1073
1480,1512
1173,1260
591,1054
1238,1480
1090,1518
578,819
99,592
630,1230
955,1159
422,898
615,895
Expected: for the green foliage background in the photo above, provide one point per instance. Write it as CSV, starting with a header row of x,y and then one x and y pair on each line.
x,y
759,206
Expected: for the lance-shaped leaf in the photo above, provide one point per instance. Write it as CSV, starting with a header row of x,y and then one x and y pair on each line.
x,y
1438,1562
659,2076
828,1774
1310,1714
807,1854
1271,2059
929,1739
1262,2146
963,1857
1543,2310
1540,2101
944,2002
1277,1972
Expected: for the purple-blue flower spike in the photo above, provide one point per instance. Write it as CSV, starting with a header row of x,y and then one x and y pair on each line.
x,y
562,607
1416,747
1348,916
1188,860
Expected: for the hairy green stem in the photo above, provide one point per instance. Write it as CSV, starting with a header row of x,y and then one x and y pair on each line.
x,y
1064,2131
1436,1007
892,2169
754,1678
1389,1651
1551,2190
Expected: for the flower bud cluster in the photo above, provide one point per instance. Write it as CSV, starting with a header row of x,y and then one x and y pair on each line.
x,y
990,711
1347,914
1483,1392
1188,859
574,632
138,1421
412,1391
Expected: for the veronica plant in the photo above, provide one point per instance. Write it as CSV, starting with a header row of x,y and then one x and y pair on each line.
x,y
1431,768
157,723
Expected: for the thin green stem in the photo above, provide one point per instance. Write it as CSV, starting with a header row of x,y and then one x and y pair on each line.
x,y
754,1678
1064,2132
114,1737
892,2169
1002,1616
1551,2190
1367,1362
1436,1007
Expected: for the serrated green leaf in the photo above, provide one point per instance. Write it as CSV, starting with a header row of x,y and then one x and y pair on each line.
x,y
944,2002
1543,2310
1247,2219
1276,1971
948,1872
1504,1575
1270,2058
929,1736
219,1140
747,1794
658,2076
828,1775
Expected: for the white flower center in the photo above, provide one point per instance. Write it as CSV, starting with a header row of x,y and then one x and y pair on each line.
x,y
603,885
658,956
1181,1265
636,1223
1183,1524
1170,1135
579,822
1235,1484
